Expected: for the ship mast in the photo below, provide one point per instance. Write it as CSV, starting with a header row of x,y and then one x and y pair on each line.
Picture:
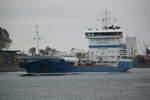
x,y
37,38
108,22
105,20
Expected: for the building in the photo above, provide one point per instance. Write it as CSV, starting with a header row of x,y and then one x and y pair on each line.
x,y
132,46
8,57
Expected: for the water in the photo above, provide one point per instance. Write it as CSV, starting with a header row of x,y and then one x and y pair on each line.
x,y
133,85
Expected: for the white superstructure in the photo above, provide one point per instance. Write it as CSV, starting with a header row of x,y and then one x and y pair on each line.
x,y
106,44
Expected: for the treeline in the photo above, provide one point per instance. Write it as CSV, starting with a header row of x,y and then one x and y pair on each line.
x,y
5,40
45,51
141,61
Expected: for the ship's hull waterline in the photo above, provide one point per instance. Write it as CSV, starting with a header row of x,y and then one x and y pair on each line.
x,y
60,66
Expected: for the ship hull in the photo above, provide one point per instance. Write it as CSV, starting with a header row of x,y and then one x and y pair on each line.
x,y
60,66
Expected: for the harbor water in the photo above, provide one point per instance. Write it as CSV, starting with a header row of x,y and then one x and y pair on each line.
x,y
131,85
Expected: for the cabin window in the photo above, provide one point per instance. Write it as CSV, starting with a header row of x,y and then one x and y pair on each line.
x,y
108,34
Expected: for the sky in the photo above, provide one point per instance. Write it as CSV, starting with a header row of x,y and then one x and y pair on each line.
x,y
62,23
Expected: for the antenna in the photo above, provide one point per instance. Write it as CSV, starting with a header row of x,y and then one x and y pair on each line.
x,y
106,20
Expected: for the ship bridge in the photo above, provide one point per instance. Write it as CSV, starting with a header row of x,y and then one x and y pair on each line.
x,y
104,44
103,34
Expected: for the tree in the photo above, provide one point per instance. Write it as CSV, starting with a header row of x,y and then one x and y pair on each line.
x,y
138,60
47,50
54,50
32,51
5,41
42,52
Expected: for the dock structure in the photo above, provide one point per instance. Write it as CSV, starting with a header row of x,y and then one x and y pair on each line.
x,y
8,60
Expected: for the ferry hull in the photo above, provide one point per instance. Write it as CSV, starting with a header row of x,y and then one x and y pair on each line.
x,y
60,66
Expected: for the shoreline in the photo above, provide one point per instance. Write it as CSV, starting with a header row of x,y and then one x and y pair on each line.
x,y
10,68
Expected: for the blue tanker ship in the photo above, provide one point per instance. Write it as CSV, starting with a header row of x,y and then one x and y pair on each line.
x,y
41,64
107,53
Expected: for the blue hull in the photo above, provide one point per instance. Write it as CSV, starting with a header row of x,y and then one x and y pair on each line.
x,y
60,66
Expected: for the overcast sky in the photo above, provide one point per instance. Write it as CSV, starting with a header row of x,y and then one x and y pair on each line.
x,y
62,22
